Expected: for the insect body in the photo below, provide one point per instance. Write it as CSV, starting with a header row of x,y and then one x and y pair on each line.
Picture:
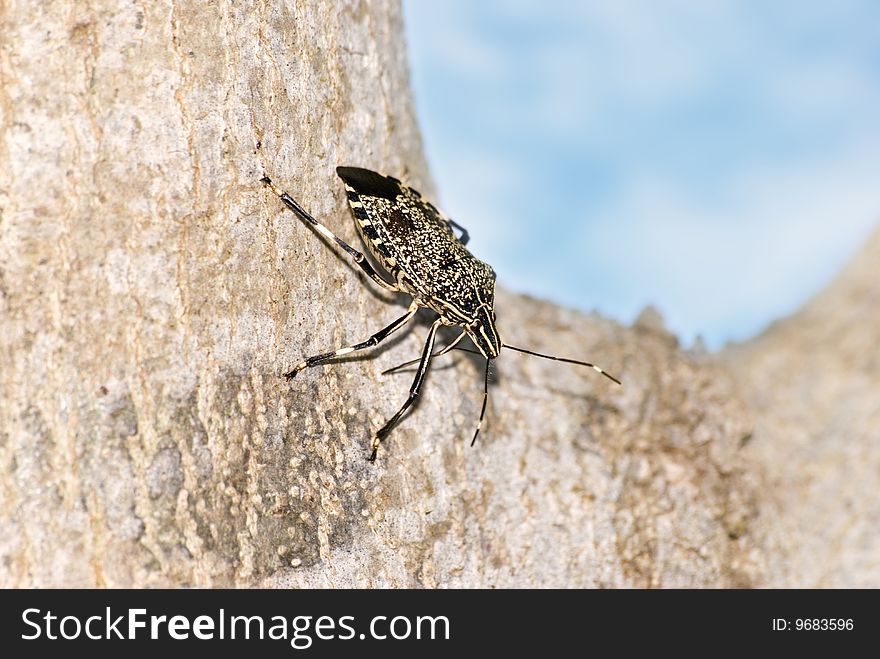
x,y
421,256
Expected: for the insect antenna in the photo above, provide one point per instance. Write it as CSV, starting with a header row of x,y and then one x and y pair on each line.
x,y
563,359
485,400
394,369
453,345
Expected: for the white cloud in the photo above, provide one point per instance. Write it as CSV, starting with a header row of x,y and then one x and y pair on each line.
x,y
725,271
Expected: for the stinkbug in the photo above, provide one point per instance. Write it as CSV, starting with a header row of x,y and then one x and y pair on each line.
x,y
416,248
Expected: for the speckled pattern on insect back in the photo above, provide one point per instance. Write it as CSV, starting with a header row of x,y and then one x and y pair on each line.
x,y
407,235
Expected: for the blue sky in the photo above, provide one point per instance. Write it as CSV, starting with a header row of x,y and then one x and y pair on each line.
x,y
718,160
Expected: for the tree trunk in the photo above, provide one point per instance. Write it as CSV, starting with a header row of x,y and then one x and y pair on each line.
x,y
813,383
152,292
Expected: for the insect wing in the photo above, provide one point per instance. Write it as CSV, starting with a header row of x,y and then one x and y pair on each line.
x,y
377,199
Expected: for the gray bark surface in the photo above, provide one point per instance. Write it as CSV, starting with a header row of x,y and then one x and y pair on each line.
x,y
813,383
152,292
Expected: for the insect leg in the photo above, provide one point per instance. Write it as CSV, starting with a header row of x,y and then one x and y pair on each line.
x,y
439,353
358,257
465,236
363,345
414,390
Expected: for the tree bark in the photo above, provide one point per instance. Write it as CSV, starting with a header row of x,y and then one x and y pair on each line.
x,y
152,292
813,384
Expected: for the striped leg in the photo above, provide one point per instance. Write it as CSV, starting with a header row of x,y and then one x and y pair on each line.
x,y
358,257
414,390
369,343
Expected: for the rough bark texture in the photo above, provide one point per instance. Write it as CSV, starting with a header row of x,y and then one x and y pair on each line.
x,y
152,292
813,381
